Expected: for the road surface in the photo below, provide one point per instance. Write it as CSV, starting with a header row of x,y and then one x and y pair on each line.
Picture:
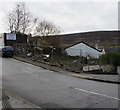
x,y
50,89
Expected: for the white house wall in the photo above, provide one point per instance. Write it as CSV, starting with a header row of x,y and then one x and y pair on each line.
x,y
84,50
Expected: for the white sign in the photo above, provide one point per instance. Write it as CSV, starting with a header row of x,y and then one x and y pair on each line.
x,y
10,36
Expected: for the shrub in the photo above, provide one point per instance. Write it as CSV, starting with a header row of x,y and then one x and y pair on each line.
x,y
111,58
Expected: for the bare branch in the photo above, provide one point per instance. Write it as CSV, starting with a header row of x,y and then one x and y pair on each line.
x,y
20,19
46,28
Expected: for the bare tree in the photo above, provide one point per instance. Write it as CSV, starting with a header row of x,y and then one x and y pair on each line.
x,y
46,28
14,19
20,19
25,21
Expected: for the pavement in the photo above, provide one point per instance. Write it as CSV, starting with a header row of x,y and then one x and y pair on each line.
x,y
108,78
12,100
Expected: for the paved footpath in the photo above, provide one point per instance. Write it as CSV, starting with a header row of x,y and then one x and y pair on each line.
x,y
14,101
97,77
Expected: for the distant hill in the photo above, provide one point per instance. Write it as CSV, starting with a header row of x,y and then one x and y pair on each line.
x,y
103,39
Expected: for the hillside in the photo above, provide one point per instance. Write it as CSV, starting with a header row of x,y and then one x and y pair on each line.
x,y
103,39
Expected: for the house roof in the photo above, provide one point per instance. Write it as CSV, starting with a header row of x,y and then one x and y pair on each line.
x,y
85,44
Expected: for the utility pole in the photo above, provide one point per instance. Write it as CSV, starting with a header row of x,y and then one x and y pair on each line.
x,y
80,55
52,53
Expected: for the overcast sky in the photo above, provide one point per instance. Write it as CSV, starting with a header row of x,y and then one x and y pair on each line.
x,y
73,16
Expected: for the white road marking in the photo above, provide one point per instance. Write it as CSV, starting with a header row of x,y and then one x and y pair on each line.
x,y
96,93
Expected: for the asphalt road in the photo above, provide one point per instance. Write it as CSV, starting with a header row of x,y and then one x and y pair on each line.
x,y
50,89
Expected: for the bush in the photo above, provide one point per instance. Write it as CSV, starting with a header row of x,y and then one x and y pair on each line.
x,y
112,58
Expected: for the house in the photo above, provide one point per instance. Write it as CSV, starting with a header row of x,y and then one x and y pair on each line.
x,y
83,49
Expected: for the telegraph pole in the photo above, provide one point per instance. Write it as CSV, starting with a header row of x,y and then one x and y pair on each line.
x,y
80,55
